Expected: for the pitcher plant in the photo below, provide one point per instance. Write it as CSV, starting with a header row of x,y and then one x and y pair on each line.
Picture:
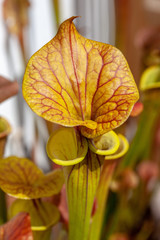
x,y
87,88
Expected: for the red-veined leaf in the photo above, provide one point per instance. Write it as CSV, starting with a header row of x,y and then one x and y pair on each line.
x,y
18,228
74,81
21,178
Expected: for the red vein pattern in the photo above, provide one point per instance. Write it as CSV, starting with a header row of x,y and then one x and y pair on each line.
x,y
18,228
74,81
21,178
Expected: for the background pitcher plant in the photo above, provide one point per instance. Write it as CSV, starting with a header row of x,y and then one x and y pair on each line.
x,y
86,87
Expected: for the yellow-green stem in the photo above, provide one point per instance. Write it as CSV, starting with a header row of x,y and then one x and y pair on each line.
x,y
81,184
141,144
101,197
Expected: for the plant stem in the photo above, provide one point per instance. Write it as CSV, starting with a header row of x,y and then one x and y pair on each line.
x,y
141,144
101,197
81,184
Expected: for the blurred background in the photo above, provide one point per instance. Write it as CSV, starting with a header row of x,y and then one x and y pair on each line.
x,y
133,26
